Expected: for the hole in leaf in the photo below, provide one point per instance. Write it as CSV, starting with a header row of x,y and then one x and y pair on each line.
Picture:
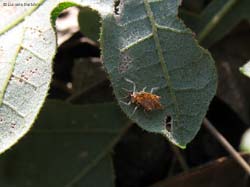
x,y
168,123
116,7
63,14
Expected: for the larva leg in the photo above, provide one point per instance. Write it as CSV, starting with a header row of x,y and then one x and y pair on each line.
x,y
127,96
127,90
134,110
154,89
129,103
132,82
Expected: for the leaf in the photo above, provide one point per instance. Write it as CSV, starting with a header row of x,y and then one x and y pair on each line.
x,y
69,146
195,6
238,12
27,47
149,45
245,142
245,70
218,19
89,22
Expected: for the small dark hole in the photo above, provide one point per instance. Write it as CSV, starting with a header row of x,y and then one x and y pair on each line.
x,y
168,119
168,123
116,7
168,127
63,14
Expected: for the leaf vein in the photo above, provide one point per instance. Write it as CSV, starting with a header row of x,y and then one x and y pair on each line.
x,y
21,18
34,53
162,27
24,80
136,42
8,105
161,57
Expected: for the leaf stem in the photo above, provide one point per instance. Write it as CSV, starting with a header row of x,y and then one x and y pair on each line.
x,y
216,19
226,145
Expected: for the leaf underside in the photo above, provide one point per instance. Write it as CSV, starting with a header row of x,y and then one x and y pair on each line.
x,y
27,47
148,44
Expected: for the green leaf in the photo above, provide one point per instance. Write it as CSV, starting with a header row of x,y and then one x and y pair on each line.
x,y
245,142
218,19
239,11
89,22
246,69
69,145
27,47
149,45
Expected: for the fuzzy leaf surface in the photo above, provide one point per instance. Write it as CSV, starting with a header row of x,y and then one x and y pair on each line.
x,y
148,44
27,47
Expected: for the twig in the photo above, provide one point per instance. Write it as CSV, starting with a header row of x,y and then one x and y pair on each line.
x,y
216,19
180,158
226,145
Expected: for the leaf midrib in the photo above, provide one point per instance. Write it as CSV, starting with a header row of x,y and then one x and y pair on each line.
x,y
161,57
12,63
21,18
